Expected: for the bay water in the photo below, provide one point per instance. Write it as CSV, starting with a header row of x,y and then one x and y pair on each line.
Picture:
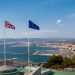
x,y
21,53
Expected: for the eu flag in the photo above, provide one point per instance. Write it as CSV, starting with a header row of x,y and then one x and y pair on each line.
x,y
33,25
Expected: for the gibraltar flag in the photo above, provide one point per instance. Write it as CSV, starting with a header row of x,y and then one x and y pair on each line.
x,y
9,25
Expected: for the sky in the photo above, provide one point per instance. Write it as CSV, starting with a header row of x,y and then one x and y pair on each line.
x,y
56,18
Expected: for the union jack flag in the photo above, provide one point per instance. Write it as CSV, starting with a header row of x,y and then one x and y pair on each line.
x,y
9,25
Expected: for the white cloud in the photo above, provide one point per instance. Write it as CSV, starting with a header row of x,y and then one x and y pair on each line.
x,y
41,31
39,34
72,15
58,21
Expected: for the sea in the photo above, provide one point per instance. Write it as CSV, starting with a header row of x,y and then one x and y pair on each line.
x,y
21,53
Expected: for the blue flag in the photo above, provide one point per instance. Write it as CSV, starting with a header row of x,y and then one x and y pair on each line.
x,y
33,25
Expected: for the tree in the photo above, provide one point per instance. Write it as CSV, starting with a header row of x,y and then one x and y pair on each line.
x,y
67,62
55,60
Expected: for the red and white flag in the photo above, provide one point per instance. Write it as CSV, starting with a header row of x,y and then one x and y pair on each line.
x,y
9,25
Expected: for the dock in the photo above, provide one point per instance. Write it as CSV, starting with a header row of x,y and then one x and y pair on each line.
x,y
47,52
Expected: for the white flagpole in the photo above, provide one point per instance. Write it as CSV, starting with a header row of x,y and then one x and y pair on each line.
x,y
28,49
4,47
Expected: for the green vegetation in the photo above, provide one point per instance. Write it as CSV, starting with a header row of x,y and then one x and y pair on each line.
x,y
58,62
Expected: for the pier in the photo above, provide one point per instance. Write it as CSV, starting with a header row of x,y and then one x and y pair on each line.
x,y
47,52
